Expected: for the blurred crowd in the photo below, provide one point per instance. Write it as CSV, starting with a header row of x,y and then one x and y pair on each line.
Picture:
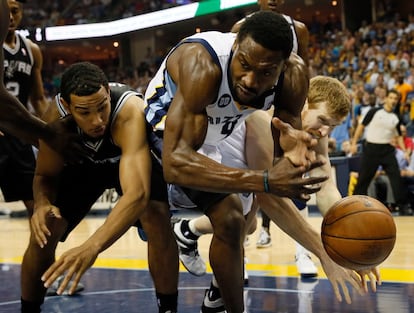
x,y
369,61
375,58
58,12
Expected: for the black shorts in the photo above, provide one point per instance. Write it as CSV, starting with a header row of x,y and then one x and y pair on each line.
x,y
81,185
17,166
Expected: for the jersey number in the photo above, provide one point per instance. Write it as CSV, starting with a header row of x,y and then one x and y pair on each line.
x,y
230,123
13,88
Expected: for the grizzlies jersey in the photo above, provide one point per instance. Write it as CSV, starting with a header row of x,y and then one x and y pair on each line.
x,y
294,34
18,64
225,114
103,149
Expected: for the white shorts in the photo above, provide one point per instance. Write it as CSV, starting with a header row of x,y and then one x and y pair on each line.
x,y
229,152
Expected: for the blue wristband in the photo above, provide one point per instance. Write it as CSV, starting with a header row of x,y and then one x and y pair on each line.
x,y
266,181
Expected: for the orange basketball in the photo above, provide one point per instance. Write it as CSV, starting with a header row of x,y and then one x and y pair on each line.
x,y
358,232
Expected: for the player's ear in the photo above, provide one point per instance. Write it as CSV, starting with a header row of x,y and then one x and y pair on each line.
x,y
65,104
285,66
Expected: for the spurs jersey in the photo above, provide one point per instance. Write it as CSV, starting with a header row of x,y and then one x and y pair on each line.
x,y
225,114
103,149
18,64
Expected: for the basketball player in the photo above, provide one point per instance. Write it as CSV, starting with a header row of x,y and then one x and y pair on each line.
x,y
22,78
300,33
16,120
327,105
111,122
207,85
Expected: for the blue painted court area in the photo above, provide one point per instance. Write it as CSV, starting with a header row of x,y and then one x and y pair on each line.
x,y
127,291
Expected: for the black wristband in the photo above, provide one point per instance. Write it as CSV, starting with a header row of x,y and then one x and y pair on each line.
x,y
266,181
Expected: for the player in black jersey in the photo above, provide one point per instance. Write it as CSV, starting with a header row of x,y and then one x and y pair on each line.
x,y
110,119
15,119
22,78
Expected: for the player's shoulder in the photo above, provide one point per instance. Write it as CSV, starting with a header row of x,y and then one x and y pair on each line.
x,y
300,26
296,67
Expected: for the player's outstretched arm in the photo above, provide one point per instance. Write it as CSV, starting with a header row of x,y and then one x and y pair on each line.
x,y
284,213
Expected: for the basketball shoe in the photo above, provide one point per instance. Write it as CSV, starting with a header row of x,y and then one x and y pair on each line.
x,y
305,265
212,303
188,248
264,239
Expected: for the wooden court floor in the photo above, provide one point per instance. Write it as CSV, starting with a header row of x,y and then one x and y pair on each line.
x,y
120,282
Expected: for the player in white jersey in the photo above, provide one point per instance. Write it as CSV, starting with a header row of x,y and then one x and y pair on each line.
x,y
300,35
327,105
192,79
304,263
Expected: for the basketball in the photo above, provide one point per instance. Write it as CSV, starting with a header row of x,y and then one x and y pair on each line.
x,y
358,232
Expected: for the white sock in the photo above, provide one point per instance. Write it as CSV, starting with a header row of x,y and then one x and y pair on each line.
x,y
299,248
193,228
214,281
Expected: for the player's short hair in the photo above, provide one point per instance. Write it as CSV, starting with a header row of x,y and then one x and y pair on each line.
x,y
270,30
329,90
82,79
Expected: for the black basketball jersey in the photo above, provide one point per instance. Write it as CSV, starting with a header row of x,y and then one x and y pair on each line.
x,y
103,149
18,64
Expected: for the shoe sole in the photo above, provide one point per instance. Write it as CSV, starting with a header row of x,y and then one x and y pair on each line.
x,y
308,275
191,272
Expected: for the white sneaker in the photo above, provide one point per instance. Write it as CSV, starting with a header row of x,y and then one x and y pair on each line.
x,y
211,305
305,265
264,239
188,252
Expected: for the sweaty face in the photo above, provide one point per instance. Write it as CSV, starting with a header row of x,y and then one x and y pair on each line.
x,y
318,122
16,14
91,113
254,70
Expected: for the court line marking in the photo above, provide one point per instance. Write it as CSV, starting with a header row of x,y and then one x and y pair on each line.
x,y
115,291
399,275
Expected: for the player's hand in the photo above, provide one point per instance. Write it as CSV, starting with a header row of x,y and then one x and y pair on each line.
x,y
42,216
72,264
296,144
374,277
339,277
66,143
286,179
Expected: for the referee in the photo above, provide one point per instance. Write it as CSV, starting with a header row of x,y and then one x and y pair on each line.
x,y
382,126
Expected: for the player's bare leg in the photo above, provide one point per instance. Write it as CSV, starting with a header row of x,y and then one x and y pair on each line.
x,y
162,254
229,230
